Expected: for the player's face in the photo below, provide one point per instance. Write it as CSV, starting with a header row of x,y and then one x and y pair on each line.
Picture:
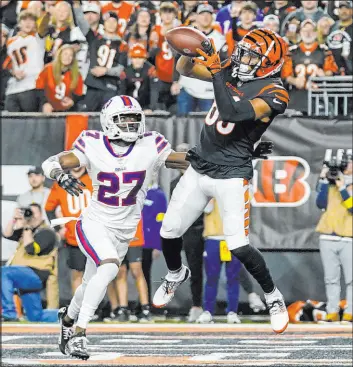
x,y
137,62
144,19
271,24
167,16
204,19
35,180
111,25
247,17
92,17
345,13
27,25
67,56
129,122
62,12
308,34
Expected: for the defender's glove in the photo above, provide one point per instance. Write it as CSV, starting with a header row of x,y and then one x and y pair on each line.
x,y
263,150
212,60
70,184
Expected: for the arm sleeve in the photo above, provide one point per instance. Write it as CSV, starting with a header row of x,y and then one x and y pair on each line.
x,y
347,199
322,194
276,96
81,21
163,148
16,235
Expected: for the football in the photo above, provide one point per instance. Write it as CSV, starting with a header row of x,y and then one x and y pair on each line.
x,y
185,40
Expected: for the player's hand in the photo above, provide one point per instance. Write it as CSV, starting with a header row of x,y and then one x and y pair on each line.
x,y
263,150
212,61
70,184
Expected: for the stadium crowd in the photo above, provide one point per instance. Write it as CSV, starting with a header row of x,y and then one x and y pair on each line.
x,y
74,55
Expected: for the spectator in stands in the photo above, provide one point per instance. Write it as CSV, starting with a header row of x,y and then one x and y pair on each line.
x,y
5,75
123,11
242,25
71,206
25,61
324,26
108,58
305,60
35,260
271,22
291,32
216,253
140,31
38,9
137,80
60,29
279,8
197,95
60,83
87,18
164,58
309,10
188,12
152,214
50,6
38,193
334,196
8,9
341,38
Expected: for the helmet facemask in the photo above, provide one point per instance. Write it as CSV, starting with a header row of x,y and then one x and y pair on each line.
x,y
127,126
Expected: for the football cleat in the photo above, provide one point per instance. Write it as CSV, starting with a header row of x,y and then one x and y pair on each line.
x,y
255,302
77,346
278,311
194,314
65,331
166,290
233,318
205,318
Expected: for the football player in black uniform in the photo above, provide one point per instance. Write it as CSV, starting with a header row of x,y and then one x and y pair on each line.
x,y
248,96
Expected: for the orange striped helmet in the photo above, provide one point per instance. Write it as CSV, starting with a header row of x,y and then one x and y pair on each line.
x,y
258,55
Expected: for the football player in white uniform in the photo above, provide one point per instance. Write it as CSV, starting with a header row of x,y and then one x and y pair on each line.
x,y
121,162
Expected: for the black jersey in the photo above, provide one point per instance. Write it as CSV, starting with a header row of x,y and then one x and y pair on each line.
x,y
108,53
137,84
225,149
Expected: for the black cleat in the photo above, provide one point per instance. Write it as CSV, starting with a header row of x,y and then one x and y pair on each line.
x,y
77,346
66,331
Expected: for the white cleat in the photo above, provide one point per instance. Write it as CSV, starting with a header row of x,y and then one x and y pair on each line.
x,y
205,318
278,311
171,282
255,302
233,318
194,314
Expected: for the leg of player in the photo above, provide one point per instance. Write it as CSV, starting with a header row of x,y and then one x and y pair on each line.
x,y
123,314
232,196
68,315
187,203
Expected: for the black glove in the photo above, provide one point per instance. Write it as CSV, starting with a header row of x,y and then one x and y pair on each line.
x,y
262,151
69,183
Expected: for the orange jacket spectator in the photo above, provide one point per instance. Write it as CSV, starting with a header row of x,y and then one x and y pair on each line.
x,y
71,206
60,81
139,239
123,10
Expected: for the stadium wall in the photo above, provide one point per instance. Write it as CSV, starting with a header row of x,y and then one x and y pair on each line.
x,y
283,214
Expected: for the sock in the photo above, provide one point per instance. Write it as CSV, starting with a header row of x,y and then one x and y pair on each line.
x,y
172,252
76,302
95,292
255,264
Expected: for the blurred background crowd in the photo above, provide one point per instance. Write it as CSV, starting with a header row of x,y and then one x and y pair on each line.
x,y
74,55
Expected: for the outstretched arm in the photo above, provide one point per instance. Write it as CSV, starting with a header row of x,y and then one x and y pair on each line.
x,y
55,166
185,66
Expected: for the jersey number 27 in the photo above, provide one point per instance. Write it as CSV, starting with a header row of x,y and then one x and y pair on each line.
x,y
107,192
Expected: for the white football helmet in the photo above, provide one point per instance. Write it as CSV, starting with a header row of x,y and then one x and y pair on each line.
x,y
123,118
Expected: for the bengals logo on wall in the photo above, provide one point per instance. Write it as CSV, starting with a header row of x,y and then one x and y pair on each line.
x,y
281,182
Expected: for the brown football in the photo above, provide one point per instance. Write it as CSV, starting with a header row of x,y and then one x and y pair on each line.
x,y
185,40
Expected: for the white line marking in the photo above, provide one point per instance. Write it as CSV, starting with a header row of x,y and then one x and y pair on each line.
x,y
6,338
107,356
278,342
222,356
140,341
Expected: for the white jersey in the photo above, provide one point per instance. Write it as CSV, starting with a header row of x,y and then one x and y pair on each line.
x,y
120,176
27,54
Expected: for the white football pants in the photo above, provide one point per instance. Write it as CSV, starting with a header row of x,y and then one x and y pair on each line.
x,y
191,196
